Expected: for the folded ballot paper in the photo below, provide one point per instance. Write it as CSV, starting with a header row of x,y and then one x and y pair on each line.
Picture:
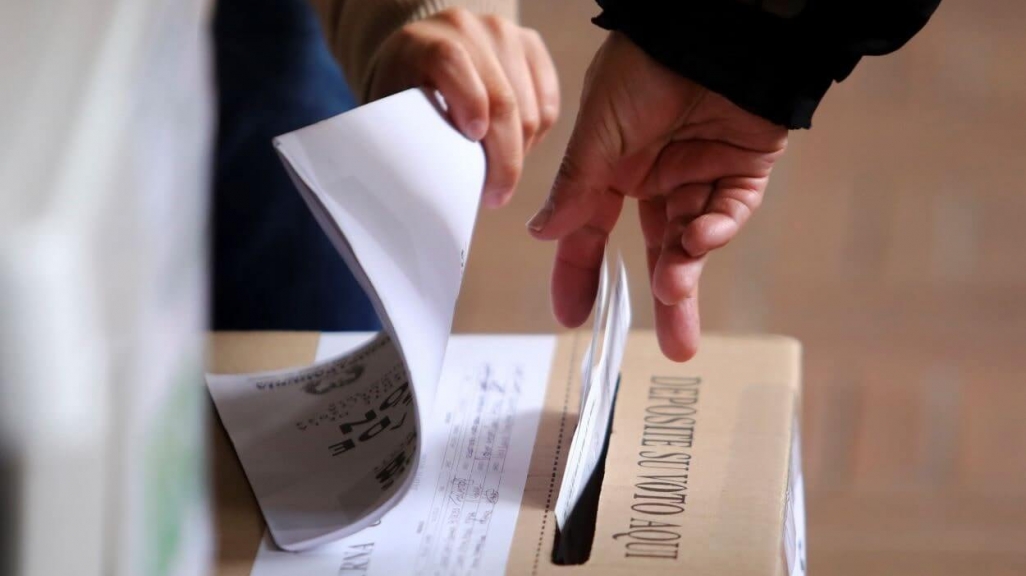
x,y
375,425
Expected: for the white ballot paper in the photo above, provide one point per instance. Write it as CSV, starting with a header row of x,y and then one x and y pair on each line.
x,y
379,451
596,327
329,448
598,389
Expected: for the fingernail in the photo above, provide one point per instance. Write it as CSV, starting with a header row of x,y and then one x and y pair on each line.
x,y
476,129
539,220
493,200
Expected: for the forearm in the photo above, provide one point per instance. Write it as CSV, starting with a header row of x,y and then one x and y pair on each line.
x,y
354,29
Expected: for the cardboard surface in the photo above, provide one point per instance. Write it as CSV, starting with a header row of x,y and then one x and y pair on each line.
x,y
239,525
718,510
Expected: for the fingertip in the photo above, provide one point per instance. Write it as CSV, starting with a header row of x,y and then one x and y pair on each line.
x,y
678,351
677,329
536,225
563,213
568,317
476,129
571,313
545,233
550,109
491,201
499,187
496,199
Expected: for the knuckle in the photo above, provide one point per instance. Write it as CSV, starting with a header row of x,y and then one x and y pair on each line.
x,y
409,34
696,237
443,51
459,17
549,113
750,199
532,124
569,169
532,36
502,104
740,202
610,136
736,208
570,174
495,24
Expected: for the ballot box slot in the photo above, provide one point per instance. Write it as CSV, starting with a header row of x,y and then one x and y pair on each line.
x,y
572,545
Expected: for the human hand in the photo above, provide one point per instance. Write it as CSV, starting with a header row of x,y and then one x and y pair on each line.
x,y
697,164
497,79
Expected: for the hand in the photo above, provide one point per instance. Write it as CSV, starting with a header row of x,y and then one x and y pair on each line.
x,y
497,79
697,164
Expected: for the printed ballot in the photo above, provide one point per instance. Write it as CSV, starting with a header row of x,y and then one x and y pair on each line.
x,y
459,514
329,448
414,451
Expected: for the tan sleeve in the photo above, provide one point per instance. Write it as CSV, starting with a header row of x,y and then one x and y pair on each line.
x,y
354,29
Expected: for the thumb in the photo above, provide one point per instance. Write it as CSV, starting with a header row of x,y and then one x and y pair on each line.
x,y
585,173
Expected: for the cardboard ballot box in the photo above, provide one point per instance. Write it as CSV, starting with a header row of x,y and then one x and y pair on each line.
x,y
702,473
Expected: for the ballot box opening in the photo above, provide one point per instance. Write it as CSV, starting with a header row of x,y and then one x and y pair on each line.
x,y
572,545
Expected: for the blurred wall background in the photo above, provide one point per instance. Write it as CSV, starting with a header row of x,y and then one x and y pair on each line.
x,y
891,242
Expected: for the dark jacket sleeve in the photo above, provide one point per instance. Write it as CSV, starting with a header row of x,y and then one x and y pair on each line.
x,y
775,58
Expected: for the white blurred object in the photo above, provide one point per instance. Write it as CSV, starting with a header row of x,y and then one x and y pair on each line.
x,y
105,117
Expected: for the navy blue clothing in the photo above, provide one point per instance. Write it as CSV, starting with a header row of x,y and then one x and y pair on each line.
x,y
273,267
774,58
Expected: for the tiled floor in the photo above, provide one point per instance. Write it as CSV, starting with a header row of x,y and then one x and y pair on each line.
x,y
892,244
